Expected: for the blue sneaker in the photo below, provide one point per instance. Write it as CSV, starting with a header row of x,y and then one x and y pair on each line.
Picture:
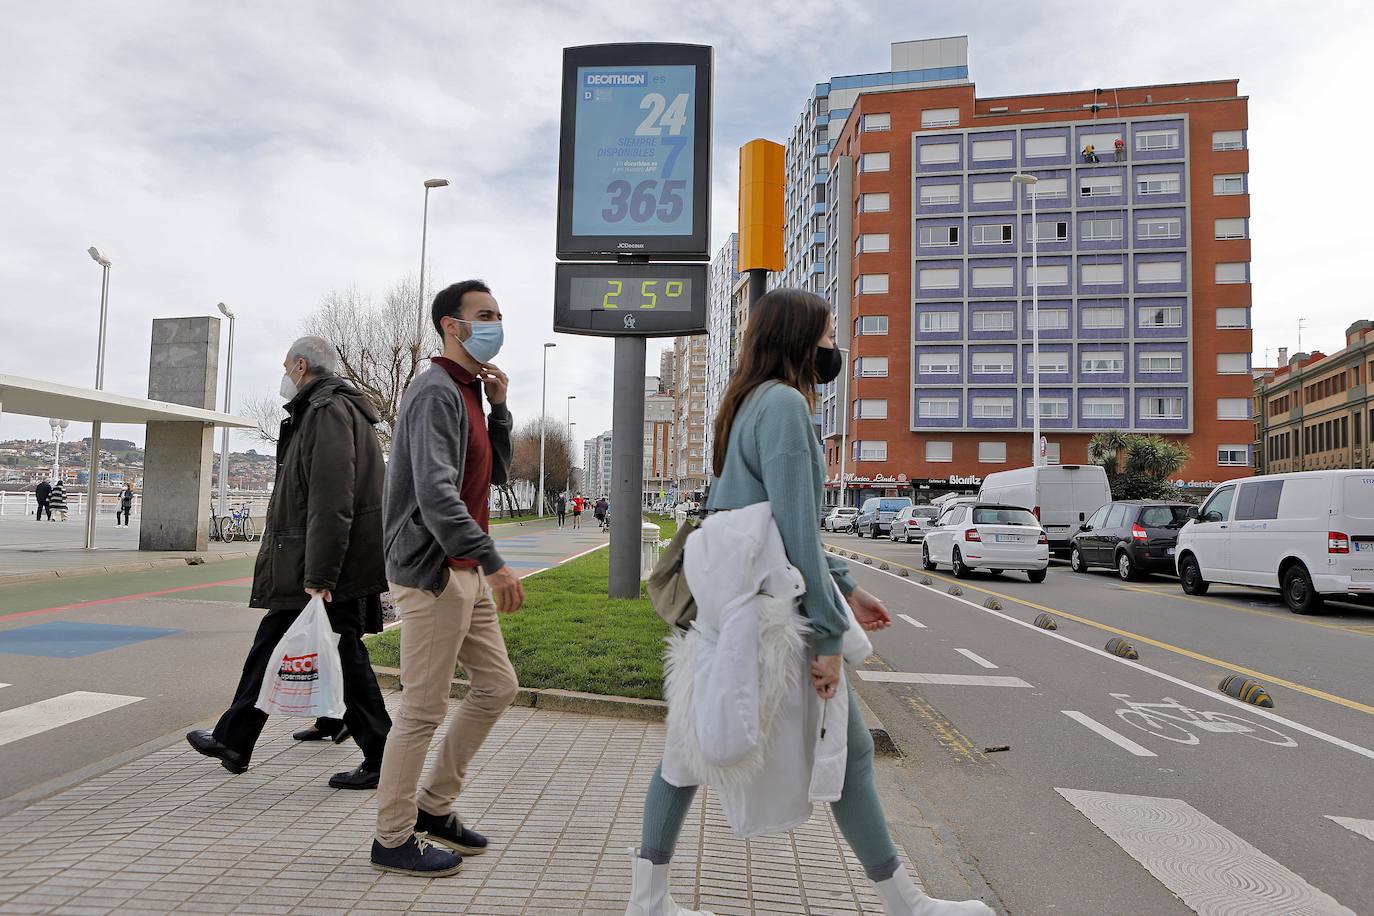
x,y
447,829
415,857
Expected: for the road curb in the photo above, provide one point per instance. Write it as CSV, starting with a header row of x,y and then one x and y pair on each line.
x,y
191,559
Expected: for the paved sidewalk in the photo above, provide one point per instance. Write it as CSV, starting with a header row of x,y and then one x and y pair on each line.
x,y
559,794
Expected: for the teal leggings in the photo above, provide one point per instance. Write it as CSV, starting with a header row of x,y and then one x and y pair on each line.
x,y
858,812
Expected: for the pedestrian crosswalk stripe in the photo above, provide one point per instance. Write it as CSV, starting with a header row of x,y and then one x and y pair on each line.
x,y
45,715
956,680
1215,872
1362,826
1111,734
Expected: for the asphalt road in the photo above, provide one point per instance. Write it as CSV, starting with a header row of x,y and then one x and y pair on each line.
x,y
1100,805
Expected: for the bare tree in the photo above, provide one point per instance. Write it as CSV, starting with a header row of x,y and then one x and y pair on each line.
x,y
558,456
266,413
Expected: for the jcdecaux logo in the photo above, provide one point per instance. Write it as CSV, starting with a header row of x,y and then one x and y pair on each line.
x,y
622,78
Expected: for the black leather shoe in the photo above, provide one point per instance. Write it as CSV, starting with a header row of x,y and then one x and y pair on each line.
x,y
358,778
338,734
206,744
449,831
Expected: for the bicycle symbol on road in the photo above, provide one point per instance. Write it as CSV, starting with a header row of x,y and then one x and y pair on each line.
x,y
1173,721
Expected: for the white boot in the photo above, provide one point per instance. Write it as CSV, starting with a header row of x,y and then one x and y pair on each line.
x,y
650,895
901,897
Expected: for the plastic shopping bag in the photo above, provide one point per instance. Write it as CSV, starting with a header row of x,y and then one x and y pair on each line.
x,y
305,677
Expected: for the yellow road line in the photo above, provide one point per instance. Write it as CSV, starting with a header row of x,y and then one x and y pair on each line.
x,y
1178,650
1362,630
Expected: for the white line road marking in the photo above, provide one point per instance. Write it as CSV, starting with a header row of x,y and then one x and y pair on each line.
x,y
913,621
1115,737
1214,872
975,658
956,680
1146,669
45,715
4,685
1363,827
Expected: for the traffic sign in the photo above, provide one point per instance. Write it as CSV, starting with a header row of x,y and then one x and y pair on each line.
x,y
640,300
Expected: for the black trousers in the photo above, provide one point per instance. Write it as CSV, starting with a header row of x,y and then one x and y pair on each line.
x,y
43,507
366,716
123,512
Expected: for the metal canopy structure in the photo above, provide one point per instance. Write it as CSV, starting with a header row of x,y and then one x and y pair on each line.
x,y
37,398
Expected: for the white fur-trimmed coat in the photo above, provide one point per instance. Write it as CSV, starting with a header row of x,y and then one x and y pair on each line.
x,y
743,717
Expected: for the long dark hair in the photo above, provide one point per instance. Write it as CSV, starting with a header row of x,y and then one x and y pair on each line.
x,y
779,344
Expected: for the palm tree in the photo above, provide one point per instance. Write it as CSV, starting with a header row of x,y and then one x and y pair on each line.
x,y
1106,449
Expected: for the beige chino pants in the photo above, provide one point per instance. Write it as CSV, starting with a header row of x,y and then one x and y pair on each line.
x,y
459,625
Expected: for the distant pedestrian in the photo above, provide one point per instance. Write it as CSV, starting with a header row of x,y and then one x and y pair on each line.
x,y
600,511
562,506
57,502
126,503
323,539
578,504
43,492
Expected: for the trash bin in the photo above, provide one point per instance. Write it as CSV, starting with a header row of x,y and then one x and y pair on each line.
x,y
649,543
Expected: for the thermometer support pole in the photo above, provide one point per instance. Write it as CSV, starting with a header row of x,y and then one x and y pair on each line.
x,y
627,466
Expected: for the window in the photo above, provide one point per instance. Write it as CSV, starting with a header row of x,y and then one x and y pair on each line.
x,y
870,367
1233,408
1109,274
1116,517
1167,183
1233,363
1159,272
1051,231
1230,229
992,364
1218,508
1159,227
1104,143
870,409
1054,408
1048,275
870,324
940,117
993,408
1101,230
1048,189
1228,184
938,408
1256,500
1100,317
987,277
1235,272
1099,518
1164,316
1054,319
1236,456
1233,318
882,121
938,153
1103,361
875,162
1156,139
985,150
872,241
938,363
1050,362
939,451
988,192
1155,361
1228,139
870,450
939,194
992,320
875,203
1043,147
1051,452
938,236
939,322
938,278
992,234
1100,186
1161,408
1104,408
992,452
870,283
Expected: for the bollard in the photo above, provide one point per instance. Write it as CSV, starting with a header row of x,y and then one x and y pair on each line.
x,y
955,590
1246,690
993,604
1118,646
904,572
1046,622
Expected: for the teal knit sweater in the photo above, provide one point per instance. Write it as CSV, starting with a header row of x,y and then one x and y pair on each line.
x,y
773,456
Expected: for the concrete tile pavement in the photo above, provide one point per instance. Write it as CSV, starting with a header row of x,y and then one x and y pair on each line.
x,y
559,794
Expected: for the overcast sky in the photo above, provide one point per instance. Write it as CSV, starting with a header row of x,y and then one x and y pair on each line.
x,y
261,153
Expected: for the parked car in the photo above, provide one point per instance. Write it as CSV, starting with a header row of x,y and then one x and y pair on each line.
x,y
988,536
841,518
875,518
1308,534
912,523
1060,496
1134,537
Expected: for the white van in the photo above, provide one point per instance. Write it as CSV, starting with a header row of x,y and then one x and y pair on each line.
x,y
1308,534
1062,496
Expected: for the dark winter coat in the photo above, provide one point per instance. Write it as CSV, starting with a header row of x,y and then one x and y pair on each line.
x,y
126,499
324,524
43,491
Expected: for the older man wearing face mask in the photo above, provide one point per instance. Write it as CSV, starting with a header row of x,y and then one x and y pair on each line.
x,y
323,538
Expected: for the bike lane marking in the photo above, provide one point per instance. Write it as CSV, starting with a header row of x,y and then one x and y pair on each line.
x,y
975,658
1210,694
1362,826
1112,735
242,580
913,621
949,680
1158,644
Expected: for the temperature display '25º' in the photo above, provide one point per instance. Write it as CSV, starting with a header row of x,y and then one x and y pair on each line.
x,y
670,294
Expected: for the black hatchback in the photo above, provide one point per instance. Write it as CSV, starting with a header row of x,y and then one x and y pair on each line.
x,y
1134,537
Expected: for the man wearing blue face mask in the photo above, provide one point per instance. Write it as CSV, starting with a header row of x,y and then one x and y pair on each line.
x,y
448,582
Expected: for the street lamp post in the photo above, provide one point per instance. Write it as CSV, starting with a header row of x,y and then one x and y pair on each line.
x,y
92,484
543,421
572,443
228,390
59,428
424,233
1027,183
844,428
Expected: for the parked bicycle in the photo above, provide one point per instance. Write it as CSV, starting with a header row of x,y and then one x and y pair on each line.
x,y
1173,721
238,524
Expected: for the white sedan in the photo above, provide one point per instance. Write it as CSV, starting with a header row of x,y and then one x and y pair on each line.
x,y
912,523
841,518
991,537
